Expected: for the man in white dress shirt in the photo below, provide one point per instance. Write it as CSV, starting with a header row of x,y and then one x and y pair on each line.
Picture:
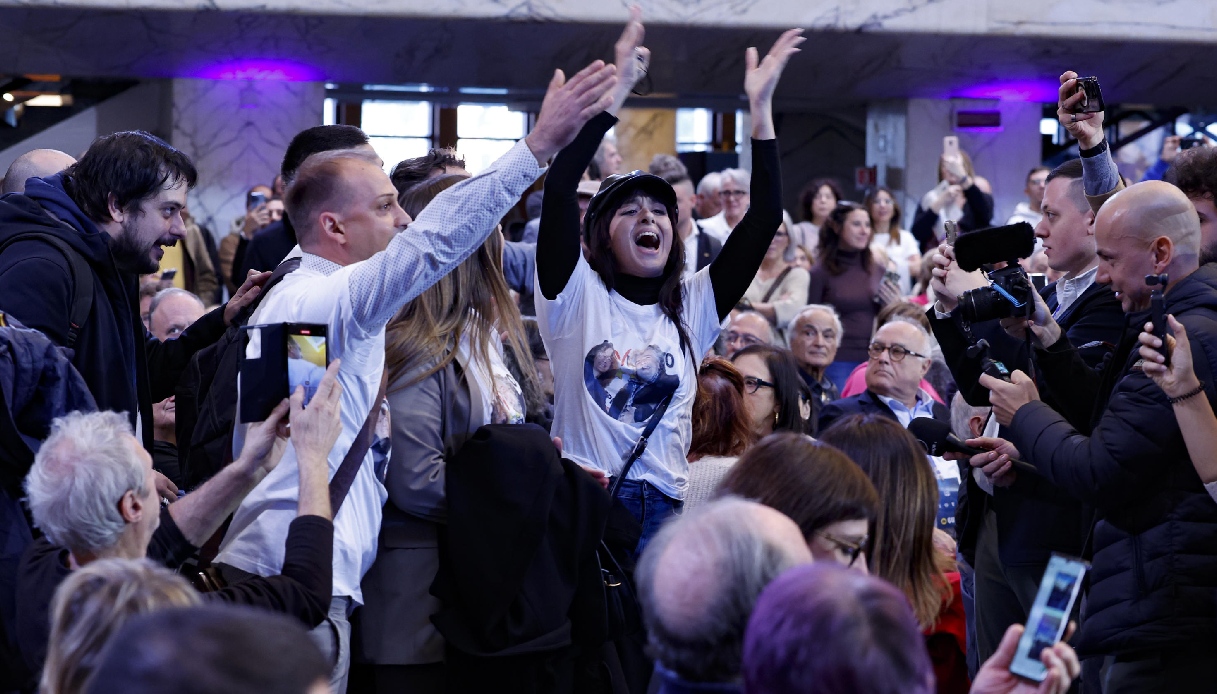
x,y
357,270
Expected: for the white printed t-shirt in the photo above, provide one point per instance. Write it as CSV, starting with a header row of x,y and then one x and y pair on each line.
x,y
614,362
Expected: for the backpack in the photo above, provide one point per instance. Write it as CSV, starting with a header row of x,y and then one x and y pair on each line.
x,y
207,395
82,279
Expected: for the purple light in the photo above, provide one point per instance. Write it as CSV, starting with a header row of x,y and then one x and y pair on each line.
x,y
1039,91
257,69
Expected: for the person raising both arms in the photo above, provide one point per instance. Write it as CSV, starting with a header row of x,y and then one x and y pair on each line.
x,y
627,292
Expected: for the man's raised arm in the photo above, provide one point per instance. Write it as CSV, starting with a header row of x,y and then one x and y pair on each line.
x,y
459,219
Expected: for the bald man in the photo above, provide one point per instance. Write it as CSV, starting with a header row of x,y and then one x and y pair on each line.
x,y
1152,607
698,580
36,163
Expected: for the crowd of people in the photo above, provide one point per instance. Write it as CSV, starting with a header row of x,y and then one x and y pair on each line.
x,y
656,437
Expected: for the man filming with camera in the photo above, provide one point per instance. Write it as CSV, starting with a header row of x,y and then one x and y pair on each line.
x,y
1012,524
1151,610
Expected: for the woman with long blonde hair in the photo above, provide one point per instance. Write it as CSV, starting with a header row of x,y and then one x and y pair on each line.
x,y
444,355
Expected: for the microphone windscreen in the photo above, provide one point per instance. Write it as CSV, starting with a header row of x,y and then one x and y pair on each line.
x,y
932,433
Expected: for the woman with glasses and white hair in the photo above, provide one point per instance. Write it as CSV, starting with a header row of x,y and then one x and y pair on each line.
x,y
735,196
849,275
779,289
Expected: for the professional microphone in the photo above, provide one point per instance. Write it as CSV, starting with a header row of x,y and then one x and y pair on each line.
x,y
938,439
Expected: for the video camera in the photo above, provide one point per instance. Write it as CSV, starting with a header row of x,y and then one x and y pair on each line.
x,y
1009,294
1010,290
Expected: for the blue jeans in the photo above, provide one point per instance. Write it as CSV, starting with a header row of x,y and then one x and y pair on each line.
x,y
649,505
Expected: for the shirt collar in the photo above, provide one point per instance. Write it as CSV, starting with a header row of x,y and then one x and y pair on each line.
x,y
1068,291
924,401
316,263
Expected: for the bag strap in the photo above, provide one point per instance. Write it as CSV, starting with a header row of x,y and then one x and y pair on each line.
x,y
82,280
341,483
773,288
639,447
286,267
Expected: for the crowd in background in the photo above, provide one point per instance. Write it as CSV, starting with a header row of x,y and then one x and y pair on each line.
x,y
587,429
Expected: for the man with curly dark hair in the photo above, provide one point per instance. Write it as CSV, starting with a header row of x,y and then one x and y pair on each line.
x,y
1194,171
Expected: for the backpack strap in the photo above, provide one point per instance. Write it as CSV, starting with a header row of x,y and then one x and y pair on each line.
x,y
82,279
341,483
284,269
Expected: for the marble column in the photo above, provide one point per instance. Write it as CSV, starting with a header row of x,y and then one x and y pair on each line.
x,y
904,142
235,132
644,132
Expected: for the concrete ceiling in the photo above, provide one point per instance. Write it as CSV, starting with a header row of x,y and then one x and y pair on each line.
x,y
695,64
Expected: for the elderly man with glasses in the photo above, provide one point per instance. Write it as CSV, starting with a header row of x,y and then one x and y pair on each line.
x,y
899,359
746,328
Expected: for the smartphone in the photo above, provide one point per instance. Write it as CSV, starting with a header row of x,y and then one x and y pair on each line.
x,y
950,146
1157,308
952,229
168,275
1049,614
1038,280
254,200
307,357
892,277
1092,102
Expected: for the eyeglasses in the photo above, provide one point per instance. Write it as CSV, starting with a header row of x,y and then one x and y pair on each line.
x,y
732,193
742,338
752,384
876,350
853,550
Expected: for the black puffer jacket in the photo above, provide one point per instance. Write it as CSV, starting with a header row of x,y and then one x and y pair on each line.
x,y
1154,581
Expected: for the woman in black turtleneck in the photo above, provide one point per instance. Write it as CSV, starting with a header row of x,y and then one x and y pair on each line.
x,y
624,334
848,277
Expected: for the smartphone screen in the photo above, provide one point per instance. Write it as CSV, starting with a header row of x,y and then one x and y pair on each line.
x,y
254,199
306,358
1049,614
950,146
1039,280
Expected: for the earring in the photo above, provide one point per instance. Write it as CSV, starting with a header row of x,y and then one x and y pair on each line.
x,y
775,417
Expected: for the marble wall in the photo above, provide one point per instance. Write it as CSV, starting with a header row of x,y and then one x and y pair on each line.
x,y
642,133
236,133
1173,20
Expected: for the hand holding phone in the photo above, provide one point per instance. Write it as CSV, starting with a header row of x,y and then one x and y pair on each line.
x,y
1049,616
1157,305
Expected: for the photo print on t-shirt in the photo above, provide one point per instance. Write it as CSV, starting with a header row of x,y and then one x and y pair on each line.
x,y
630,386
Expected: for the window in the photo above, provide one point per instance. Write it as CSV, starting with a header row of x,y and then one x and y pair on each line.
x,y
485,133
397,130
694,130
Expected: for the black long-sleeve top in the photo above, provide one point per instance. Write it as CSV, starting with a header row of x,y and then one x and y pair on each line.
x,y
303,589
558,240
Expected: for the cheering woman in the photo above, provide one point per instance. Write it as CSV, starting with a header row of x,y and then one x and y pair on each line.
x,y
626,291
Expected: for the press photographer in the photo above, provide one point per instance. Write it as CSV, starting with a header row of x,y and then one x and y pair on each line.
x,y
1150,610
1008,533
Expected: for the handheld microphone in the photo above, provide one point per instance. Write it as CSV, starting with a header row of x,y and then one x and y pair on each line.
x,y
938,439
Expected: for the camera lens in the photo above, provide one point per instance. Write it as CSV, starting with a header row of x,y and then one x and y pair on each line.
x,y
982,304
